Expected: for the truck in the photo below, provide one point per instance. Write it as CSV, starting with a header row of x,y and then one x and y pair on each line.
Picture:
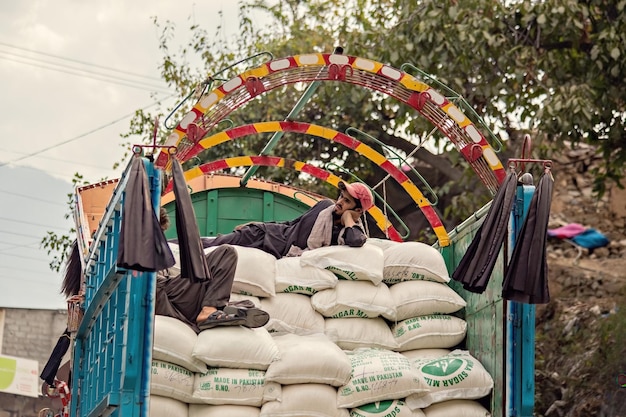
x,y
112,345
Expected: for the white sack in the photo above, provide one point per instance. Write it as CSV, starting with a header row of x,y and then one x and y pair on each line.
x,y
355,299
421,298
256,272
174,342
378,375
432,331
236,347
171,381
353,264
235,387
292,313
431,353
291,277
309,359
387,408
452,377
167,407
205,410
457,408
410,261
305,400
354,333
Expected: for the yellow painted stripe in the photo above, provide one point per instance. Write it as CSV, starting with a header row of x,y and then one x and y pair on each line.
x,y
239,161
322,132
416,194
442,236
258,72
214,140
192,173
263,127
333,180
379,217
298,165
412,84
371,154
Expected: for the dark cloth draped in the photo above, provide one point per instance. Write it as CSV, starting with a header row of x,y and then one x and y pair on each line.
x,y
142,245
192,261
526,279
477,264
54,362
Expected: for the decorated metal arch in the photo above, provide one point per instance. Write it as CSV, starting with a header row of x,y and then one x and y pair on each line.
x,y
350,142
215,105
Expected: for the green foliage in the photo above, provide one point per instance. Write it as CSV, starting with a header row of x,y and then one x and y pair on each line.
x,y
57,245
555,69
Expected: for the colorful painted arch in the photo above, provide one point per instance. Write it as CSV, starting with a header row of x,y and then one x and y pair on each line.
x,y
332,135
319,173
447,117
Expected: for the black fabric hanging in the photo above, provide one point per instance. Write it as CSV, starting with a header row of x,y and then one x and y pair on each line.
x,y
476,266
51,368
192,260
526,279
142,245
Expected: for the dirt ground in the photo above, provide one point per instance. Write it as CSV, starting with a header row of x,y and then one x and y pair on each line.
x,y
581,334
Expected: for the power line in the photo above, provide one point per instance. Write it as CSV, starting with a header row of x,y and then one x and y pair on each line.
x,y
57,159
20,234
111,79
25,257
79,62
32,198
31,223
82,135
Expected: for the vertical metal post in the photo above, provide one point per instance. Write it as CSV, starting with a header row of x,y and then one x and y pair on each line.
x,y
520,331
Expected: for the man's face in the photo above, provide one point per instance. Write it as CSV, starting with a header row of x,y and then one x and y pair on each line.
x,y
344,202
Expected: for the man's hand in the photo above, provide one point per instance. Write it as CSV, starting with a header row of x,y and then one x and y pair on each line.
x,y
350,217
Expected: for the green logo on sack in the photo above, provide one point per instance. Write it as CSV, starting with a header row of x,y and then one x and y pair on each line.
x,y
446,372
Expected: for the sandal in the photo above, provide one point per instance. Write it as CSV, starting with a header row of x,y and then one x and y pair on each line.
x,y
252,317
220,318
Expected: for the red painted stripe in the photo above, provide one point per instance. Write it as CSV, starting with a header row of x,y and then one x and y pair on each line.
x,y
346,140
315,171
239,131
500,174
299,127
393,234
431,216
394,172
214,166
266,160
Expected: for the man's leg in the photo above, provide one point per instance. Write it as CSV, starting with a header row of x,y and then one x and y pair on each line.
x,y
222,262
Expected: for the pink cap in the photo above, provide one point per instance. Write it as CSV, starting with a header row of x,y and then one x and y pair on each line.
x,y
359,191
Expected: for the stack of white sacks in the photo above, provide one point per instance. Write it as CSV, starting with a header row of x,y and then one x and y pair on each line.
x,y
353,332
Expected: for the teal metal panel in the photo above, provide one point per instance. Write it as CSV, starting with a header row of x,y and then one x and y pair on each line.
x,y
521,329
113,350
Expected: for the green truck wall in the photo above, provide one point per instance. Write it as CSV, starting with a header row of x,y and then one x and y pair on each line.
x,y
219,211
484,313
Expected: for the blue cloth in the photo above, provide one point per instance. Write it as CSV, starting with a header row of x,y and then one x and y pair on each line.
x,y
590,239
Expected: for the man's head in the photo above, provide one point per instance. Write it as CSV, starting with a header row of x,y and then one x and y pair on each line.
x,y
354,196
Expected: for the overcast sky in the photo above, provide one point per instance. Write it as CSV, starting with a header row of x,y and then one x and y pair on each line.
x,y
72,73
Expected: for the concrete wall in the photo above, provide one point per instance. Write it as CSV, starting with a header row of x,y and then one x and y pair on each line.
x,y
30,334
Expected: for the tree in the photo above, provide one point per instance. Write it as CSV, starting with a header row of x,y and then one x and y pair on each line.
x,y
554,69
